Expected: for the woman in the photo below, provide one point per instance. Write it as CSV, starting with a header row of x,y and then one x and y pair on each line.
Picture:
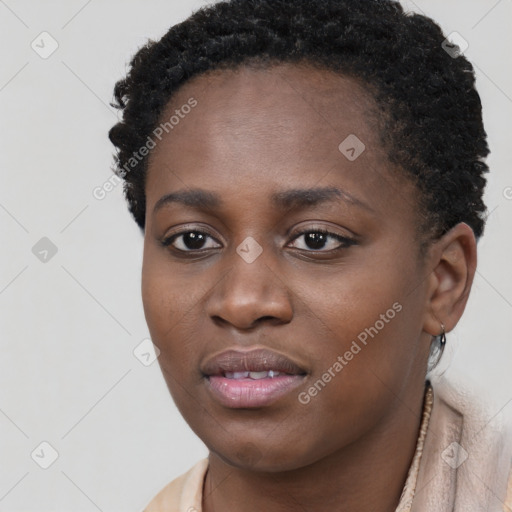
x,y
308,176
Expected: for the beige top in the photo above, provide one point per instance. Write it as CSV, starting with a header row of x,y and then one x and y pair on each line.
x,y
434,483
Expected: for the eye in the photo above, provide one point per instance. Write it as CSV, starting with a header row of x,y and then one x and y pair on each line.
x,y
316,239
189,241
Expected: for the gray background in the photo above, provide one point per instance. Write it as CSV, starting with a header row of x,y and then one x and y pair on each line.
x,y
69,325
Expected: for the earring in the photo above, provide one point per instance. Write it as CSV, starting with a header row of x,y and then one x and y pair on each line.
x,y
439,349
442,341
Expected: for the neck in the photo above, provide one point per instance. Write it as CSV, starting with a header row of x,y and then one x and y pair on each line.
x,y
367,475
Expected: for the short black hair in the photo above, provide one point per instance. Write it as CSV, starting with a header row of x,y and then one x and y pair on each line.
x,y
431,113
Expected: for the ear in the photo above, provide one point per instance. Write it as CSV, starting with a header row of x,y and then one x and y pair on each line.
x,y
453,260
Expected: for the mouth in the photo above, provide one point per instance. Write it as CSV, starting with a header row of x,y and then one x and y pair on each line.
x,y
251,379
270,374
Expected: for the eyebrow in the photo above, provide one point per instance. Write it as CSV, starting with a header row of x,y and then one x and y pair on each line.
x,y
286,199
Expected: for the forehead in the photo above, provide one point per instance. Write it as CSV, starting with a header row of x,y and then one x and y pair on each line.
x,y
296,100
269,126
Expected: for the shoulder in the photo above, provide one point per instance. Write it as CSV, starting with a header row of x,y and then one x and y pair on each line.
x,y
466,464
183,494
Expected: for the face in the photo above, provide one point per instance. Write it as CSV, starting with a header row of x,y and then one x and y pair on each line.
x,y
281,278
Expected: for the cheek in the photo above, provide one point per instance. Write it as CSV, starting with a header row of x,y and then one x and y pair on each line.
x,y
371,319
164,299
361,362
352,299
159,305
172,308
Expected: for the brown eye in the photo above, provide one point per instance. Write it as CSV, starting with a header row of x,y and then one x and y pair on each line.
x,y
318,239
189,241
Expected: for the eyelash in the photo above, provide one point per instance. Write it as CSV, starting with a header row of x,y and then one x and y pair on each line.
x,y
345,242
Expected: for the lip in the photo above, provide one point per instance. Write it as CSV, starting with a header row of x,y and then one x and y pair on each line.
x,y
247,392
255,360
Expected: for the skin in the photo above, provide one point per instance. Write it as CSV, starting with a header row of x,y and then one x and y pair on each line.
x,y
256,132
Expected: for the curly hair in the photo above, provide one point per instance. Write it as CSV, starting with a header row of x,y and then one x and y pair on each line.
x,y
431,114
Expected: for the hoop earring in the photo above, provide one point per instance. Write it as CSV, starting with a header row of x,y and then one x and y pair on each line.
x,y
442,341
440,348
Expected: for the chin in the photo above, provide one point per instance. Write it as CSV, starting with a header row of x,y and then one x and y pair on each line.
x,y
267,459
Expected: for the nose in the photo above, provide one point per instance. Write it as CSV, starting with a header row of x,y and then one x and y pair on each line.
x,y
249,294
